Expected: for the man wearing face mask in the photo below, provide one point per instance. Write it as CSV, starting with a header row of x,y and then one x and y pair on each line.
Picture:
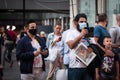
x,y
78,70
31,52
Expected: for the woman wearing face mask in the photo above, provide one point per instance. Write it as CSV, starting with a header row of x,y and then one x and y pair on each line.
x,y
31,52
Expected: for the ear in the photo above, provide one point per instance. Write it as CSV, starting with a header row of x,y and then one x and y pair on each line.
x,y
103,42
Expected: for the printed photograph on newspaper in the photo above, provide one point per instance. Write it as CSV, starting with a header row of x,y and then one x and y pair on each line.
x,y
82,52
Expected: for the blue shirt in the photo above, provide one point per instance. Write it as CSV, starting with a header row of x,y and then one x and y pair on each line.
x,y
101,33
65,49
49,39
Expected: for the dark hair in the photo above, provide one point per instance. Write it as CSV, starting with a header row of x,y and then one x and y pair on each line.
x,y
10,27
104,39
78,16
30,21
107,37
102,17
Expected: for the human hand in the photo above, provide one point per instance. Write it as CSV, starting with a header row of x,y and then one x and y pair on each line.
x,y
117,78
58,39
97,77
84,32
61,60
37,52
44,52
109,53
89,50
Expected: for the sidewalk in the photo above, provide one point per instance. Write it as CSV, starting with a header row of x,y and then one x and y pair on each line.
x,y
11,73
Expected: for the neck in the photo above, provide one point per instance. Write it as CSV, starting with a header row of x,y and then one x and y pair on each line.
x,y
103,24
58,34
31,36
118,24
108,48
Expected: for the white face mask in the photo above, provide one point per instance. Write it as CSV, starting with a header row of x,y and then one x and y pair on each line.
x,y
82,25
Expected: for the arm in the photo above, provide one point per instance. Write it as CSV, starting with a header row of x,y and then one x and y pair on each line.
x,y
21,54
97,76
56,40
96,40
73,43
108,52
117,70
44,51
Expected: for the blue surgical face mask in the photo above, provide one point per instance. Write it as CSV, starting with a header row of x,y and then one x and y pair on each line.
x,y
82,25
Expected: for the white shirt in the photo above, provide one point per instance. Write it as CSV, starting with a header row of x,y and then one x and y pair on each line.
x,y
37,59
74,62
65,48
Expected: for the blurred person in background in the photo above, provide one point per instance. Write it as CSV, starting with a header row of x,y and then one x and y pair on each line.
x,y
115,35
54,42
9,40
100,32
43,35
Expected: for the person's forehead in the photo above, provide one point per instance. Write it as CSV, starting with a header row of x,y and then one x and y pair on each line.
x,y
107,39
82,18
57,26
32,24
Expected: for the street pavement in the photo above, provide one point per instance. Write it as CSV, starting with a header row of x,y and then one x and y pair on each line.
x,y
13,73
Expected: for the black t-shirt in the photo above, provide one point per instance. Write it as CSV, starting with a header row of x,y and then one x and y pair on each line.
x,y
108,68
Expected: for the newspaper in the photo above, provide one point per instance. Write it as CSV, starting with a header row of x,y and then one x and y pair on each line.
x,y
82,53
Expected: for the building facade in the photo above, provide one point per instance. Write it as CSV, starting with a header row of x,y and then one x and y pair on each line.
x,y
93,7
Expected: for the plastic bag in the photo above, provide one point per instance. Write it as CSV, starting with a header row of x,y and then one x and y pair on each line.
x,y
62,74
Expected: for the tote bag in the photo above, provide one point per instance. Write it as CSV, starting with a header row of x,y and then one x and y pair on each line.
x,y
52,54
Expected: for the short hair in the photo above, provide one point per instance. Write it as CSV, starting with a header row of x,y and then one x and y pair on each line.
x,y
78,16
102,17
106,37
10,27
118,17
30,21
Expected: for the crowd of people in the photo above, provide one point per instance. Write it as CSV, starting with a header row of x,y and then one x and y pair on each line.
x,y
60,48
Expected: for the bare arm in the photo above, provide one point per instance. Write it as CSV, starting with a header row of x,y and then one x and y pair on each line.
x,y
117,70
56,40
116,46
108,52
97,73
73,43
96,40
